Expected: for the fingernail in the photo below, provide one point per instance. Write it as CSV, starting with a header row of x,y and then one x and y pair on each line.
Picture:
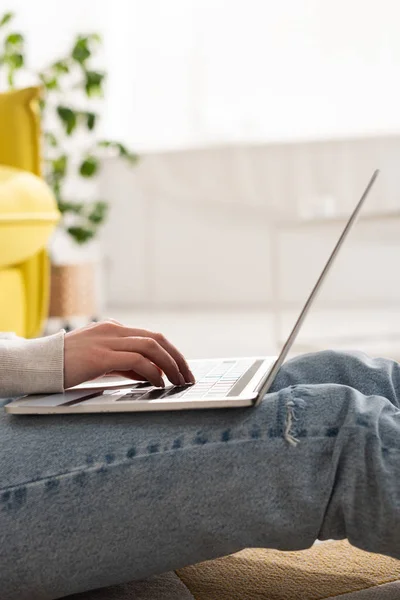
x,y
162,382
181,380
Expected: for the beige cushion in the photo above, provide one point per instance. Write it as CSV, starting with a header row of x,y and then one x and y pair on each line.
x,y
324,571
332,570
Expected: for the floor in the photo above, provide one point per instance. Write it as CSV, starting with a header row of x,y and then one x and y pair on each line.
x,y
255,332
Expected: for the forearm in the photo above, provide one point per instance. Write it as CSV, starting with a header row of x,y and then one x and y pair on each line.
x,y
31,366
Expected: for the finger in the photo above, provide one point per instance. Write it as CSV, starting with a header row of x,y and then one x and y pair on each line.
x,y
152,350
131,374
178,357
128,375
166,344
134,361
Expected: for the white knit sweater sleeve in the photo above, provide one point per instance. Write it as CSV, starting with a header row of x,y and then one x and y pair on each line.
x,y
31,366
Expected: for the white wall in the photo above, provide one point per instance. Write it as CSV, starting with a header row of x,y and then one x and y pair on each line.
x,y
163,250
193,73
199,72
193,228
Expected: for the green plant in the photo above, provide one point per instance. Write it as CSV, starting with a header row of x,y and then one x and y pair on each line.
x,y
68,83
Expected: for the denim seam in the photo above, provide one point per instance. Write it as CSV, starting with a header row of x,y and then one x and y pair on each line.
x,y
105,466
289,404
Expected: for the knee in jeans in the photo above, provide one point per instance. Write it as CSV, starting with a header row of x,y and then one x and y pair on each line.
x,y
332,358
333,362
316,364
327,410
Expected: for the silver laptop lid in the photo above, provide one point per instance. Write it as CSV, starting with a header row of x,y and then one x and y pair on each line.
x,y
293,335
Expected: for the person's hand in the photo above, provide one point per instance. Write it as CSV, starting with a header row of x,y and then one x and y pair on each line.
x,y
109,347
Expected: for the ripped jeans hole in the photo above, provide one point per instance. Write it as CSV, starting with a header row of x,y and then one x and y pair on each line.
x,y
290,417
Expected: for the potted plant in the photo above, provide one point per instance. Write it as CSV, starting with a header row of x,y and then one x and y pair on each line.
x,y
72,152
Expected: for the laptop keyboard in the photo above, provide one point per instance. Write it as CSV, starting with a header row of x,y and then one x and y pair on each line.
x,y
214,379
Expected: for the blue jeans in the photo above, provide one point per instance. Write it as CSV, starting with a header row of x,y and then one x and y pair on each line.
x,y
93,500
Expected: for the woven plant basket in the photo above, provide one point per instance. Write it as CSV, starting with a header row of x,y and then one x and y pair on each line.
x,y
72,291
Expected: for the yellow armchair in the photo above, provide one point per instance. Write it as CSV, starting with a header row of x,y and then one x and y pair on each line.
x,y
28,215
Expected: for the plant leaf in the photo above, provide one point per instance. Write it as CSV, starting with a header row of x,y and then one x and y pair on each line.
x,y
122,150
49,83
73,207
94,83
68,118
14,60
81,234
91,120
89,166
14,39
50,139
6,18
95,37
81,52
10,78
98,213
55,185
60,67
59,166
127,154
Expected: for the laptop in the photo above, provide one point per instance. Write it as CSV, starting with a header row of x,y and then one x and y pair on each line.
x,y
220,383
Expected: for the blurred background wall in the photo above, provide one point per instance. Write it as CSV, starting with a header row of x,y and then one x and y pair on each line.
x,y
258,124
